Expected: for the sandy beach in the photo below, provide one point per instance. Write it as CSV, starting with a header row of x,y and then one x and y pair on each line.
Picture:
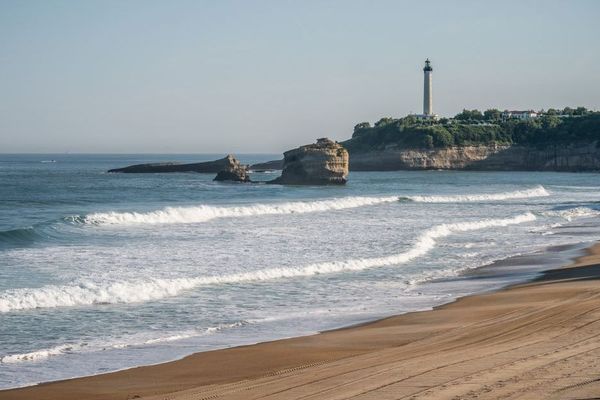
x,y
530,341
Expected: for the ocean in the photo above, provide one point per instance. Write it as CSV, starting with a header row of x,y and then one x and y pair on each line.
x,y
100,272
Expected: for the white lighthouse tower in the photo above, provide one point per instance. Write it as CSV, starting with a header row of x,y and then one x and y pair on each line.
x,y
427,93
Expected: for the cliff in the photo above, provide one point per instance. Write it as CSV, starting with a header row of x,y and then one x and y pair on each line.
x,y
227,163
322,163
546,143
574,157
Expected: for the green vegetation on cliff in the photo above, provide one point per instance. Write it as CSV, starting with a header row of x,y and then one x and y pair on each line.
x,y
472,127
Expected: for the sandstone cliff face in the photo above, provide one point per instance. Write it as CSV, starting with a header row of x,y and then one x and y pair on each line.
x,y
585,157
322,163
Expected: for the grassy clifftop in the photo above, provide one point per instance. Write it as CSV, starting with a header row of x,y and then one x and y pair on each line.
x,y
411,133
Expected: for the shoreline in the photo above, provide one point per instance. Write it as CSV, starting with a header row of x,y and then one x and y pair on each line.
x,y
566,253
265,360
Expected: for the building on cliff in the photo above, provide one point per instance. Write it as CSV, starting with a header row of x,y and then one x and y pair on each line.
x,y
522,115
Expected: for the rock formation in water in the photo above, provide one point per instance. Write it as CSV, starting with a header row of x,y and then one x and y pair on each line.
x,y
238,173
322,163
227,163
267,166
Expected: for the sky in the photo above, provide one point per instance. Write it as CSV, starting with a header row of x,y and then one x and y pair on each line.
x,y
257,76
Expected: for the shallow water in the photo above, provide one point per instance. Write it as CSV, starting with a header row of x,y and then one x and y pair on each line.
x,y
101,271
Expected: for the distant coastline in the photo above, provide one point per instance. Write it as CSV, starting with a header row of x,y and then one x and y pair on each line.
x,y
555,140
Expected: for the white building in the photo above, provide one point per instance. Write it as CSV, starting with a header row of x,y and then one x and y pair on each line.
x,y
522,115
427,89
427,93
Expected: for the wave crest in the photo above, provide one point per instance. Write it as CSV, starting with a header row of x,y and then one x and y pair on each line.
x,y
36,355
62,349
538,191
202,213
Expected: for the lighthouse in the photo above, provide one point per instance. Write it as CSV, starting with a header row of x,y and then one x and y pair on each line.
x,y
427,95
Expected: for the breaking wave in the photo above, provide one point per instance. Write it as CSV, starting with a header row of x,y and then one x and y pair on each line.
x,y
572,213
38,354
538,191
89,293
202,213
62,349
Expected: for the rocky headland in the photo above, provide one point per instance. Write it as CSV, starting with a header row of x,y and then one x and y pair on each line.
x,y
548,142
322,163
226,163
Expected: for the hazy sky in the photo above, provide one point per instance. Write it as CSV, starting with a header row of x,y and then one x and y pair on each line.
x,y
265,76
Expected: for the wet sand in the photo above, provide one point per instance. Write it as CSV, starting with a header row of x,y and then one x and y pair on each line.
x,y
539,340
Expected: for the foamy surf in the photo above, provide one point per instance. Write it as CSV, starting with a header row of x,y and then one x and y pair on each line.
x,y
36,355
571,213
539,191
203,213
87,294
133,341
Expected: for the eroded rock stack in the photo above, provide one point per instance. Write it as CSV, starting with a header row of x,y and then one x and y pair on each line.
x,y
322,163
233,171
238,173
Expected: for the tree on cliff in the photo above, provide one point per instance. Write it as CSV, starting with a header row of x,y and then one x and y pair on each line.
x,y
410,133
469,115
361,128
385,121
492,114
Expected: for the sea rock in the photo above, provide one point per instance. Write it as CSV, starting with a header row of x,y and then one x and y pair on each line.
x,y
226,163
322,163
236,174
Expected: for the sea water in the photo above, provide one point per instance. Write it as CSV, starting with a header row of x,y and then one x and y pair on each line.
x,y
100,272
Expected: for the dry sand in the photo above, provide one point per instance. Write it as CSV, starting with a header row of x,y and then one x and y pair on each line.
x,y
539,340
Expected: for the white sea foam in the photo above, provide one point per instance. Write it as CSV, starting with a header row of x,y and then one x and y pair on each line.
x,y
202,213
539,191
572,213
89,293
39,355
